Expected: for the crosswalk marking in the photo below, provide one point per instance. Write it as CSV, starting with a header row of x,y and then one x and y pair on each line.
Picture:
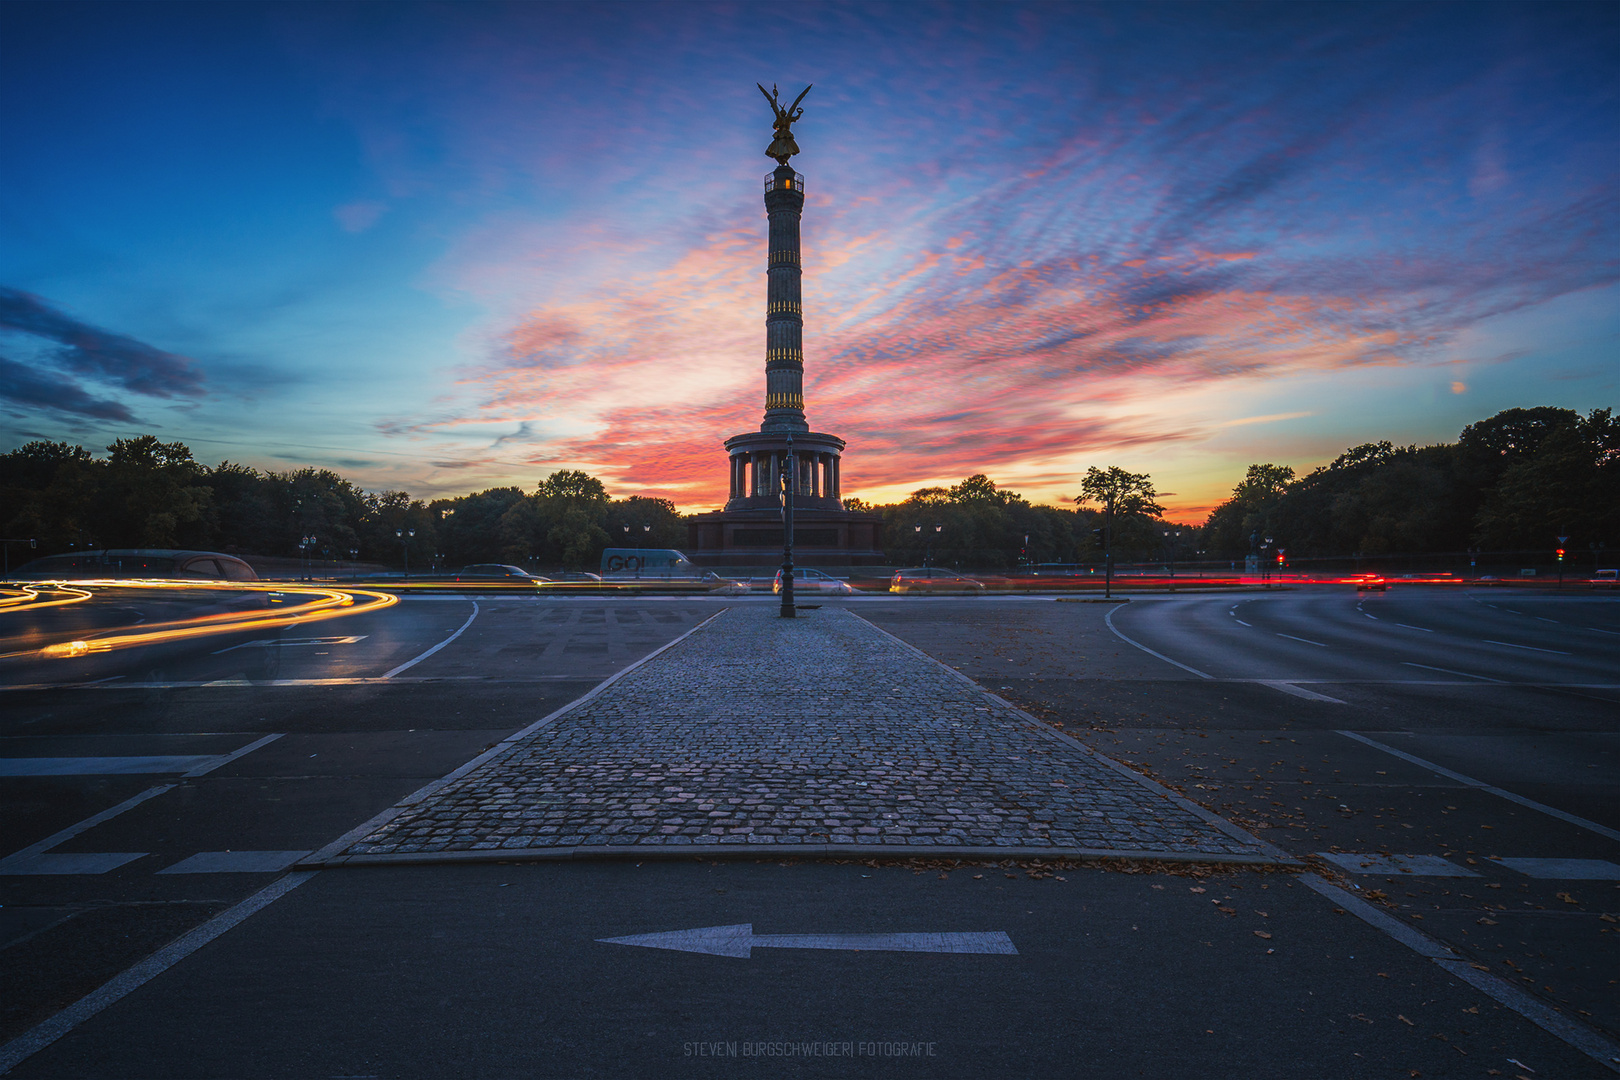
x,y
104,766
1567,869
235,862
94,862
1414,865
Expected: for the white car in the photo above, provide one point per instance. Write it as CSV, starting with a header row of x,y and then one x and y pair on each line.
x,y
806,580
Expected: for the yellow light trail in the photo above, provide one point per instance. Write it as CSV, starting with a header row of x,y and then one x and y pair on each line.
x,y
27,598
322,604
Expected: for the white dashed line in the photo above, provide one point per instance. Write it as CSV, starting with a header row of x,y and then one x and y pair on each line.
x,y
1408,626
1448,671
1307,641
1528,648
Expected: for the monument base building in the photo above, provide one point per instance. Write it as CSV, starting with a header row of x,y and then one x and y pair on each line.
x,y
748,531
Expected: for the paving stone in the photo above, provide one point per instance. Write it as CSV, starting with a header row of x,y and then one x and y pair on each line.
x,y
818,730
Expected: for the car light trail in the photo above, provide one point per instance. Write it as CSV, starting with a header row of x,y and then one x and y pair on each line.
x,y
316,604
28,598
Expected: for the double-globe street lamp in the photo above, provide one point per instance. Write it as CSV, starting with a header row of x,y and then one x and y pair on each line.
x,y
304,544
928,551
405,537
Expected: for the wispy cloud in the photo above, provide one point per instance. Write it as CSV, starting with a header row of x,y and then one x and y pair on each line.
x,y
34,390
88,350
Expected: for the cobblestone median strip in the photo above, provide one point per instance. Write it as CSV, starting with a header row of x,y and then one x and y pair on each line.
x,y
820,735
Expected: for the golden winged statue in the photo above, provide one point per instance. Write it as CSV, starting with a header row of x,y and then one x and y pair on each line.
x,y
783,147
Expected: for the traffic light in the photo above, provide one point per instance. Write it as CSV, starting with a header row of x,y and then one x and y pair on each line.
x,y
1560,554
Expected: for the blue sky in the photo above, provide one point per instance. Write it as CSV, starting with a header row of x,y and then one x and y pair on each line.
x,y
447,247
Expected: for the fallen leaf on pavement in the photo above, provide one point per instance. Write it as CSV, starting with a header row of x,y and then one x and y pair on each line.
x,y
1262,934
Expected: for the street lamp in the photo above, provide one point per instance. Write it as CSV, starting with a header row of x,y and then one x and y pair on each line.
x,y
354,570
1170,538
405,536
304,544
790,471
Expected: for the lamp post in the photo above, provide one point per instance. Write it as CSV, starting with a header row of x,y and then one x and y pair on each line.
x,y
304,544
1265,564
354,569
405,543
790,467
928,550
1170,538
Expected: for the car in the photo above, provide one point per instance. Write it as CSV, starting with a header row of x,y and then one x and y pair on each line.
x,y
1604,579
931,579
497,574
1371,583
806,580
578,575
157,563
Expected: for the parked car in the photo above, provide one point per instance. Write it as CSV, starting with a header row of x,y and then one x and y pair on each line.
x,y
165,563
931,579
806,580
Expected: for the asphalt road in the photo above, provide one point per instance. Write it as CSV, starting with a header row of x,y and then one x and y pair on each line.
x,y
1516,696
499,970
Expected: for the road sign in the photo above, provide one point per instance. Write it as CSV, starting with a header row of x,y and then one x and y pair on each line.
x,y
739,940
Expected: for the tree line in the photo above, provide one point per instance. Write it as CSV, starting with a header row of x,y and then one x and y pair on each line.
x,y
151,494
1513,482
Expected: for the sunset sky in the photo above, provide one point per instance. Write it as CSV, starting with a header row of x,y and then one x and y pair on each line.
x,y
445,247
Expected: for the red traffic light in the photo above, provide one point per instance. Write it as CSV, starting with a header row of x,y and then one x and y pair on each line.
x,y
1560,554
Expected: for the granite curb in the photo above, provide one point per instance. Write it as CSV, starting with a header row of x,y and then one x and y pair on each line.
x,y
700,852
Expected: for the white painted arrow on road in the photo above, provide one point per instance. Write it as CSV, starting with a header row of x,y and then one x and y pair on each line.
x,y
739,940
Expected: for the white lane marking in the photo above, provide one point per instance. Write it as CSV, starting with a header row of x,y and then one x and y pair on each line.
x,y
1530,648
1544,618
407,665
1307,641
1413,939
235,862
1414,865
1595,630
1578,1035
1565,869
1409,626
1590,826
285,643
48,1031
1448,671
188,765
101,766
1373,617
1554,1023
1240,622
226,759
1108,618
86,825
1297,691
53,865
739,940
